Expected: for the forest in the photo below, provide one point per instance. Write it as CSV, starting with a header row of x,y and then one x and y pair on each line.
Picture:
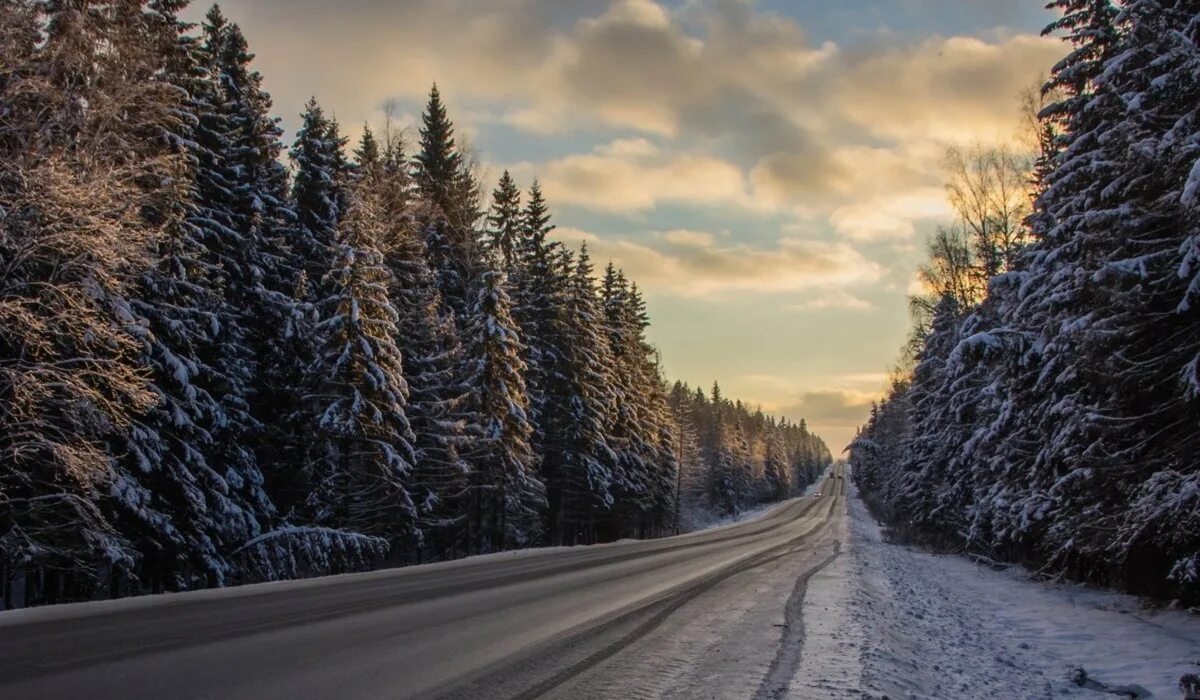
x,y
1046,411
223,360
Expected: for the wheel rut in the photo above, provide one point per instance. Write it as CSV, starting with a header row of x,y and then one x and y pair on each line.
x,y
791,646
658,612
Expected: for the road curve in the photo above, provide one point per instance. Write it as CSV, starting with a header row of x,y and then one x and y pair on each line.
x,y
507,625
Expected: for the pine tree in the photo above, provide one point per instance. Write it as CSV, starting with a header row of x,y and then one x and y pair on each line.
x,y
438,161
506,488
318,190
451,196
579,407
504,221
74,153
429,341
243,215
539,292
1090,27
776,466
180,507
364,456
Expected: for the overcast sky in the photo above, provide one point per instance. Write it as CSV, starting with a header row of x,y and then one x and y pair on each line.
x,y
766,171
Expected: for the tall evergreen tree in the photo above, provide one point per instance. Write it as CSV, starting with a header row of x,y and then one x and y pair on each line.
x,y
451,197
429,342
504,221
188,514
81,105
437,161
506,487
578,408
364,455
318,190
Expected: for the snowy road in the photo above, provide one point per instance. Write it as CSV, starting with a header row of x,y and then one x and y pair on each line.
x,y
567,622
806,602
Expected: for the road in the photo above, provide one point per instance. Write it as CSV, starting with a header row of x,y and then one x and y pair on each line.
x,y
566,622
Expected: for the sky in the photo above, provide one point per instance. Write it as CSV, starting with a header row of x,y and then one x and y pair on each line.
x,y
767,171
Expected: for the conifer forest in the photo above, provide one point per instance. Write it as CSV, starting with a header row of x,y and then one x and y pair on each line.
x,y
225,359
1046,411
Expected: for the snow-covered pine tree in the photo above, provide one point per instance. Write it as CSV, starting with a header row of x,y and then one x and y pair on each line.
x,y
690,473
540,287
438,161
654,425
429,343
722,459
1064,404
450,193
579,405
507,494
363,456
645,472
74,239
1145,342
320,179
775,464
172,499
539,293
1090,27
243,213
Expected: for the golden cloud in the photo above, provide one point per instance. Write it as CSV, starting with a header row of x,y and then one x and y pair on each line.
x,y
709,269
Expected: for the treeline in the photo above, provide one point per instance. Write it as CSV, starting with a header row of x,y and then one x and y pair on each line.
x,y
732,457
215,369
1050,414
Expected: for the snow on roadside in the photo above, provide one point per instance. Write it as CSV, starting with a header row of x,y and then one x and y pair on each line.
x,y
698,522
889,621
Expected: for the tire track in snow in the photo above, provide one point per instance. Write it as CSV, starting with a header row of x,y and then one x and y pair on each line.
x,y
791,646
662,610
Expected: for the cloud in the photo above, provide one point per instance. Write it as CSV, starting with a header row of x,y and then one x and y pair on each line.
x,y
689,239
890,216
949,89
836,299
695,265
747,109
832,407
631,175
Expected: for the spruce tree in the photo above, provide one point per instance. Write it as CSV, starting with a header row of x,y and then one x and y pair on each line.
x,y
429,342
579,407
508,496
504,221
364,456
318,190
437,161
81,96
450,195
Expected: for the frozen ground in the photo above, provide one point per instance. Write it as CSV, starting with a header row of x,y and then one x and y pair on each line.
x,y
884,620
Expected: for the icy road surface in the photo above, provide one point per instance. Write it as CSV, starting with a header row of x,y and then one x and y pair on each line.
x,y
805,602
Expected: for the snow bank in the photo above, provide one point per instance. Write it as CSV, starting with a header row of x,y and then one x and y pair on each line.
x,y
892,621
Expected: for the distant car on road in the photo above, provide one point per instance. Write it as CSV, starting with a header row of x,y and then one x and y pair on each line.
x,y
818,493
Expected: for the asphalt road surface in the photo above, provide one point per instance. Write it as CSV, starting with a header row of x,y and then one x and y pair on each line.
x,y
514,625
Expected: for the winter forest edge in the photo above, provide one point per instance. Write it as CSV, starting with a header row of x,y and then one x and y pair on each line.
x,y
216,369
1045,411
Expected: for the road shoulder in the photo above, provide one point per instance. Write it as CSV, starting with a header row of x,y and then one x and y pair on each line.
x,y
887,620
